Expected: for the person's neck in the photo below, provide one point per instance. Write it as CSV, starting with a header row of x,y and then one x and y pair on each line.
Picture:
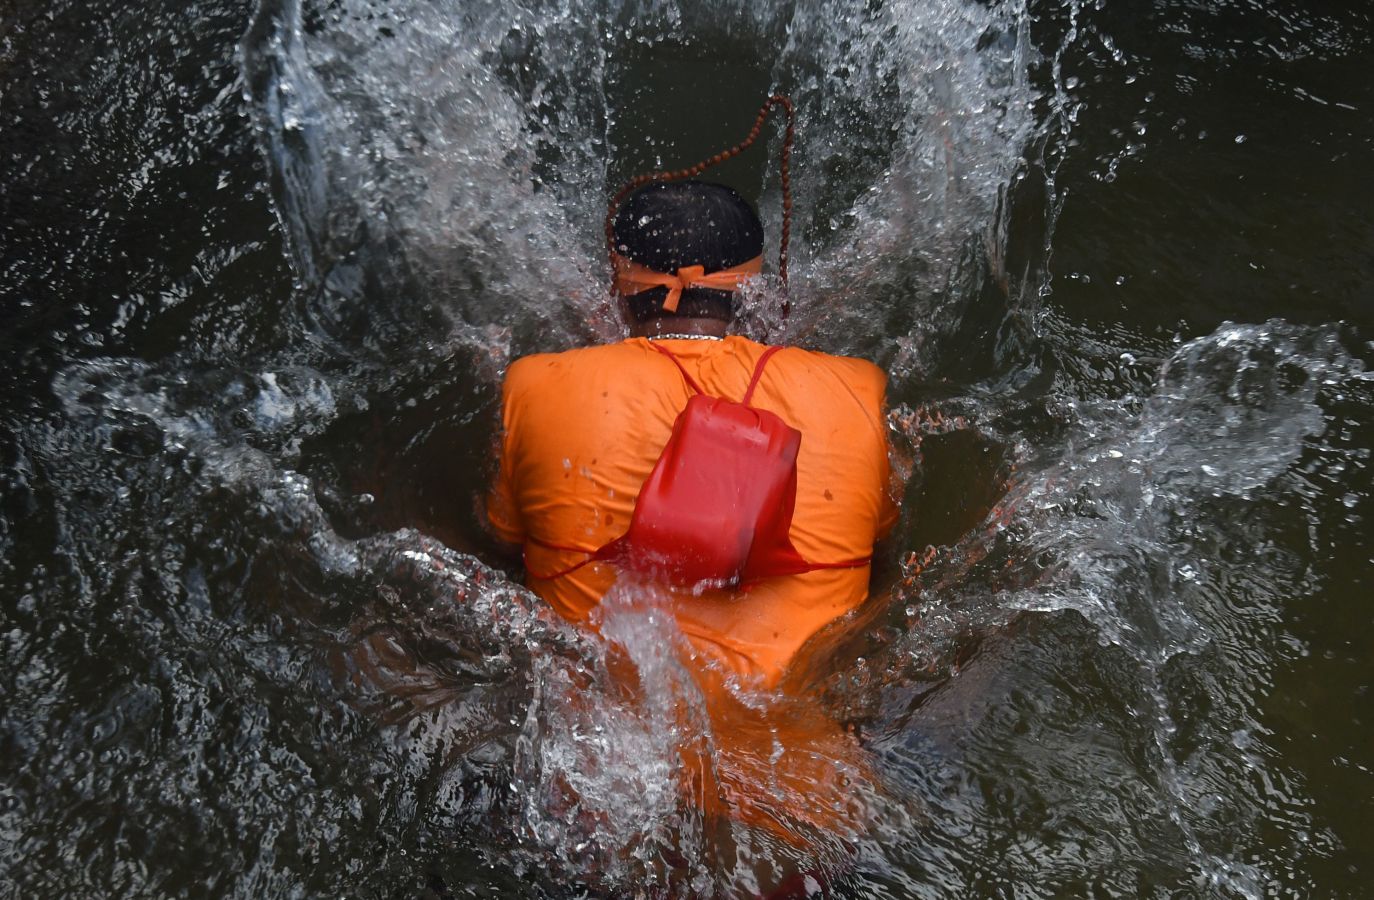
x,y
703,326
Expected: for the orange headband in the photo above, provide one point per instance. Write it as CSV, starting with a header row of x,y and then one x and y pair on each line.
x,y
631,278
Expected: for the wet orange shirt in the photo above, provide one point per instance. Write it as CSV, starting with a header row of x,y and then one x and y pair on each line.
x,y
584,428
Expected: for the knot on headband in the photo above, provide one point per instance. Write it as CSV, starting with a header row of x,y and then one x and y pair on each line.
x,y
631,278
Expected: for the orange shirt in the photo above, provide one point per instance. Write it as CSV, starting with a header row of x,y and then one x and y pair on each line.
x,y
584,428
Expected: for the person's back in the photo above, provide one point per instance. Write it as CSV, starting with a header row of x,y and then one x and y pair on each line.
x,y
584,429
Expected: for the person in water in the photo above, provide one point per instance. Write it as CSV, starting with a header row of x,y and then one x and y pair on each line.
x,y
586,433
583,430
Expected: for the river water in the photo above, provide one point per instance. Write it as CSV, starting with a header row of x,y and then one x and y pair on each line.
x,y
261,267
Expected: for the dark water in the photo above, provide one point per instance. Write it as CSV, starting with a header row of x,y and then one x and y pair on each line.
x,y
261,266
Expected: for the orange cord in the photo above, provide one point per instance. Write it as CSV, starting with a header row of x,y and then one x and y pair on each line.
x,y
693,171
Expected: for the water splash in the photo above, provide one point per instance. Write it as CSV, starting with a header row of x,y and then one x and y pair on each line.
x,y
226,676
1150,522
935,105
447,153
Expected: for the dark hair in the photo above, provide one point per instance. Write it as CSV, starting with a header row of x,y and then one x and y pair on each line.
x,y
668,225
